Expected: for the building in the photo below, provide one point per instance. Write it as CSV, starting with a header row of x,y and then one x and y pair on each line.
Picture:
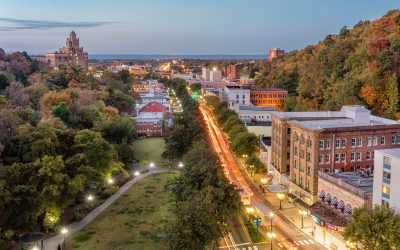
x,y
187,77
254,114
275,53
71,54
237,95
265,150
146,98
205,74
268,97
151,119
232,71
215,75
387,178
304,143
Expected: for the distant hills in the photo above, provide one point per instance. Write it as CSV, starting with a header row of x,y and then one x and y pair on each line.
x,y
163,57
360,65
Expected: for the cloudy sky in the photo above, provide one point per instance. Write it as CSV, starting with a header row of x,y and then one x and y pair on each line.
x,y
179,26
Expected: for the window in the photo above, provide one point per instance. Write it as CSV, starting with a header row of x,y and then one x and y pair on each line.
x,y
327,170
369,141
375,140
359,156
308,170
352,156
302,154
385,189
301,167
307,185
301,181
337,143
309,143
321,144
295,151
353,142
327,158
343,157
321,158
295,164
386,160
383,140
386,174
359,142
368,155
393,138
385,204
328,144
343,143
237,96
302,140
308,156
337,157
398,138
295,178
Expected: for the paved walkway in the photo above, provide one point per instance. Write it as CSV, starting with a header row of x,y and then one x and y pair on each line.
x,y
52,243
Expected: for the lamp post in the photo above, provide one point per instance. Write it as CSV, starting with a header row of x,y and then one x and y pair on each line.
x,y
271,215
303,214
280,196
64,231
110,181
180,165
151,165
271,235
137,173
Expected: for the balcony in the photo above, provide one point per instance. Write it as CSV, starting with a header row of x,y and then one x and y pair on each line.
x,y
387,196
387,166
386,180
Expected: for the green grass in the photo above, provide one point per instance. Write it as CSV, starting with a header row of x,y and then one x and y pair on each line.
x,y
133,221
149,150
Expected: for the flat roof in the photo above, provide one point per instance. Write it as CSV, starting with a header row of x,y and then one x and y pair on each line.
x,y
393,152
269,89
363,183
257,108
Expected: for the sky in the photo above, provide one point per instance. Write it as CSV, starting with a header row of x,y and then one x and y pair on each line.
x,y
179,27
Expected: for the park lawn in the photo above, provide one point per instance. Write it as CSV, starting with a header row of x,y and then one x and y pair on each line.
x,y
133,221
150,150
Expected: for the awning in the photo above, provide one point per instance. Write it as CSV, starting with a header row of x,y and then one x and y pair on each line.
x,y
347,209
334,201
340,205
327,198
321,194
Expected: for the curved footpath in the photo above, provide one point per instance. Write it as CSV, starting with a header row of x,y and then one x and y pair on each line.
x,y
52,243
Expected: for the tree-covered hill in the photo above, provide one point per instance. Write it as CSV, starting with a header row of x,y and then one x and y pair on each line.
x,y
357,66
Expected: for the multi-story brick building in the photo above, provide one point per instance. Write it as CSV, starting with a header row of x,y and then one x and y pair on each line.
x,y
275,53
232,71
71,54
304,143
268,97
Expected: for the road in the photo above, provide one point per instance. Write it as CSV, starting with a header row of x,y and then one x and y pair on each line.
x,y
287,234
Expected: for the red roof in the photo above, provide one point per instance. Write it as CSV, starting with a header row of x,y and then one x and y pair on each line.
x,y
153,107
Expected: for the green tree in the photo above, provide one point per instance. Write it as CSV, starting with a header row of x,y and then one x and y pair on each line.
x,y
116,129
61,111
195,87
123,102
253,163
392,92
244,143
375,229
4,83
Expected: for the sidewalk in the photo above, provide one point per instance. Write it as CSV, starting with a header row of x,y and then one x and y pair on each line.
x,y
291,212
52,243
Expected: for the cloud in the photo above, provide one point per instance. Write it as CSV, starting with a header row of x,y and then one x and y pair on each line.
x,y
11,24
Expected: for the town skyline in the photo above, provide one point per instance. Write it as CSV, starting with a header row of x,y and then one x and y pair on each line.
x,y
178,28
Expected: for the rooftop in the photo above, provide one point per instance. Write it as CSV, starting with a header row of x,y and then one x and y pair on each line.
x,y
348,116
393,152
153,107
257,108
269,89
354,182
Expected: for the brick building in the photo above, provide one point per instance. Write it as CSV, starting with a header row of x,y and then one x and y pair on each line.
x,y
307,142
275,53
151,119
232,71
71,54
268,97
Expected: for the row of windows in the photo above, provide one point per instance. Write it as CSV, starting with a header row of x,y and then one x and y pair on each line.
x,y
358,142
341,157
301,182
267,96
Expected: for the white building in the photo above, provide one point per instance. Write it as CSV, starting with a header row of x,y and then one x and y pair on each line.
x,y
387,178
250,114
215,75
237,95
205,74
186,77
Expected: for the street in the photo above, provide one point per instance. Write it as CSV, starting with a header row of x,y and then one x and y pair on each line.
x,y
287,235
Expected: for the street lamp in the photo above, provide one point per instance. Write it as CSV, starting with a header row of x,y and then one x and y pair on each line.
x,y
280,196
271,215
151,164
264,180
110,181
64,231
136,173
180,165
249,210
90,198
303,213
271,236
34,248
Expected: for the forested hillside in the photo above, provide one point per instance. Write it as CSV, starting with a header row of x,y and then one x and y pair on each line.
x,y
357,66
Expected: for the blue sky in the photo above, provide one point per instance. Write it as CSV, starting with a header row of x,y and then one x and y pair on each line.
x,y
179,26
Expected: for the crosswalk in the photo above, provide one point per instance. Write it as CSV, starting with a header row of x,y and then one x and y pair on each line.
x,y
304,242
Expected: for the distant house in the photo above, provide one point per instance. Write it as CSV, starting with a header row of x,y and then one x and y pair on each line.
x,y
152,118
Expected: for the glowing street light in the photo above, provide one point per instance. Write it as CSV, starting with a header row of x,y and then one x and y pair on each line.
x,y
136,173
271,215
303,213
64,231
280,196
34,248
151,165
271,236
180,165
249,210
110,181
90,198
264,180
